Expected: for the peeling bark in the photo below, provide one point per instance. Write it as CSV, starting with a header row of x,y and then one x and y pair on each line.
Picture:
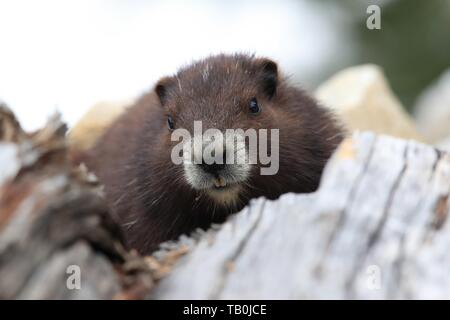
x,y
53,216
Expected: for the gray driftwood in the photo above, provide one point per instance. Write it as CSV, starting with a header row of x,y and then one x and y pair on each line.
x,y
53,217
377,228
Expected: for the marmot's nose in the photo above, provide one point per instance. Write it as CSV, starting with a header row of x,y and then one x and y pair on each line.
x,y
214,167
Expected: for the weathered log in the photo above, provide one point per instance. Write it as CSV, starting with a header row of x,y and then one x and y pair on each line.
x,y
52,218
377,228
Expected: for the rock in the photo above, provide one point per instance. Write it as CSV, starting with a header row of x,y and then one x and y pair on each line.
x,y
432,110
364,100
94,122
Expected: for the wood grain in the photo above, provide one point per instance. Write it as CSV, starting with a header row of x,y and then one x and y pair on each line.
x,y
377,228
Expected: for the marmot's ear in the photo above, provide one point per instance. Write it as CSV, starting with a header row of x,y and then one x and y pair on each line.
x,y
269,76
163,88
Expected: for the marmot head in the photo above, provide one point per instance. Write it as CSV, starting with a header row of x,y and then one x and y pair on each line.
x,y
219,105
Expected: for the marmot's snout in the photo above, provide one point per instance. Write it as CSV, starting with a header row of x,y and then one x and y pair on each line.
x,y
217,165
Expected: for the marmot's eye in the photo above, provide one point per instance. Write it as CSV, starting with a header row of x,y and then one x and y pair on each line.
x,y
254,107
170,123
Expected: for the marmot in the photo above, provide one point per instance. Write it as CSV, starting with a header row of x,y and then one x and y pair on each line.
x,y
155,199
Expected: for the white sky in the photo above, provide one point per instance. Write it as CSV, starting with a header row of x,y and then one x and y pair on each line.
x,y
68,55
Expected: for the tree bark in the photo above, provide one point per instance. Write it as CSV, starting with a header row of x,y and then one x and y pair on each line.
x,y
53,217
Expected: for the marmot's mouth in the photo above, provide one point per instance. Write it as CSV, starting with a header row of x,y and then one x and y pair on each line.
x,y
220,188
220,184
224,188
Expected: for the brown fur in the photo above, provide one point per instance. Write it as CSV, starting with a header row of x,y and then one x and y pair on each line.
x,y
148,193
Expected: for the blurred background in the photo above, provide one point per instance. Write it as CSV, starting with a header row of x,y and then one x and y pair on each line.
x,y
68,55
